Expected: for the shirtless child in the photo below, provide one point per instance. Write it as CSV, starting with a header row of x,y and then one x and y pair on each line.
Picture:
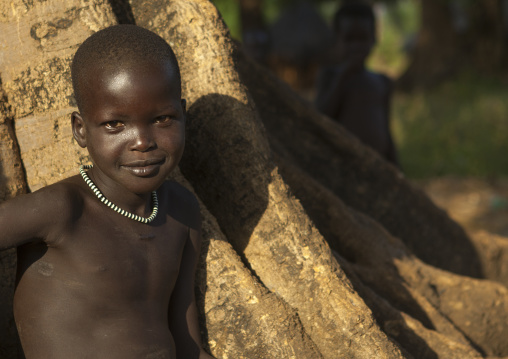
x,y
357,98
92,282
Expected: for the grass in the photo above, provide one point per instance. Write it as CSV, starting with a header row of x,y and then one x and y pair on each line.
x,y
459,128
230,11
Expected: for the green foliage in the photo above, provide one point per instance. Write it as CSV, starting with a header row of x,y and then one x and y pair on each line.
x,y
230,12
397,23
404,15
457,128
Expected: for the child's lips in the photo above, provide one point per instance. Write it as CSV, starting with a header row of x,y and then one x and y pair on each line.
x,y
144,168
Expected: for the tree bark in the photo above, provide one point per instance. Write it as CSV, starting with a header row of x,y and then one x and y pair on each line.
x,y
357,175
268,285
244,191
239,316
38,42
441,301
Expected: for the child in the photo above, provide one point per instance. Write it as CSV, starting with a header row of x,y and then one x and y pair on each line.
x,y
106,259
357,98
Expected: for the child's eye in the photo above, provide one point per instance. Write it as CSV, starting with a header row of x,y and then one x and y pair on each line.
x,y
164,119
113,125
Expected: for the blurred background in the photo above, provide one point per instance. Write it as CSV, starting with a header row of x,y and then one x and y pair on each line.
x,y
448,58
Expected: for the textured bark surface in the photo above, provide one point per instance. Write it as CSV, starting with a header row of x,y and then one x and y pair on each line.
x,y
356,174
313,245
12,177
38,42
252,204
493,252
242,318
468,312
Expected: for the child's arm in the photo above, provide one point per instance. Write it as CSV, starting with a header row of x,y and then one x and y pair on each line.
x,y
33,217
183,314
331,89
391,154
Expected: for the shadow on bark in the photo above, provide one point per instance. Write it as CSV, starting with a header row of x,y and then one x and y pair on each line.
x,y
123,11
200,293
238,201
334,222
355,174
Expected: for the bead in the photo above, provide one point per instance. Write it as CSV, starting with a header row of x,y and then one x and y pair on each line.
x,y
107,202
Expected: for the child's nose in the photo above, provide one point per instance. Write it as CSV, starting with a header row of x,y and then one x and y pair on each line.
x,y
143,140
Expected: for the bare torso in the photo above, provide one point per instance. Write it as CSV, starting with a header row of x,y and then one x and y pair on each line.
x,y
364,110
359,100
99,287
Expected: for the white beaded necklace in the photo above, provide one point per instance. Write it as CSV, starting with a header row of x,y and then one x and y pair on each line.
x,y
113,206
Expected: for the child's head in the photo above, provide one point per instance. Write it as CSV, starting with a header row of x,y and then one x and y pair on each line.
x,y
354,26
114,49
131,116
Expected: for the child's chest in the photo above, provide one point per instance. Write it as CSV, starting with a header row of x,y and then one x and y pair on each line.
x,y
366,89
138,262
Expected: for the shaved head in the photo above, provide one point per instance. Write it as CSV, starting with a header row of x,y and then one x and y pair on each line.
x,y
118,48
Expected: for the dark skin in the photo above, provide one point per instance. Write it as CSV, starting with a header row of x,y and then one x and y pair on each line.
x,y
357,98
91,282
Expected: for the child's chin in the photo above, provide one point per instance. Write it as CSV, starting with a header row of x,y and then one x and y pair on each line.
x,y
146,184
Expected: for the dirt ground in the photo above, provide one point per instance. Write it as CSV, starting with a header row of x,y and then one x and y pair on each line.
x,y
477,204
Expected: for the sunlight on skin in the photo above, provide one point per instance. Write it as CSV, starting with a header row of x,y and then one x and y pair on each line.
x,y
119,81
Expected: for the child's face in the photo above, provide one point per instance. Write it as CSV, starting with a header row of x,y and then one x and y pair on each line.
x,y
354,40
133,125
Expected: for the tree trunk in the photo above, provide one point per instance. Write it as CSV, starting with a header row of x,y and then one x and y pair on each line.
x,y
357,175
259,324
268,285
455,35
252,204
439,300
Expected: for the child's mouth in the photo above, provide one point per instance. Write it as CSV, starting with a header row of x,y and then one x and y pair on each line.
x,y
145,168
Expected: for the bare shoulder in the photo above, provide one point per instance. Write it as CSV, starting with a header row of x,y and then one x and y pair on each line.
x,y
180,203
63,198
41,214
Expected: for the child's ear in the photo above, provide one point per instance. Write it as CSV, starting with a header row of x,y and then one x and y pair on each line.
x,y
78,129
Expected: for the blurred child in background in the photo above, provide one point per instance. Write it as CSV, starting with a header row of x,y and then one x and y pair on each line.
x,y
357,98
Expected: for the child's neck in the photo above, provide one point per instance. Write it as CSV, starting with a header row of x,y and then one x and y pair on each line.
x,y
142,208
